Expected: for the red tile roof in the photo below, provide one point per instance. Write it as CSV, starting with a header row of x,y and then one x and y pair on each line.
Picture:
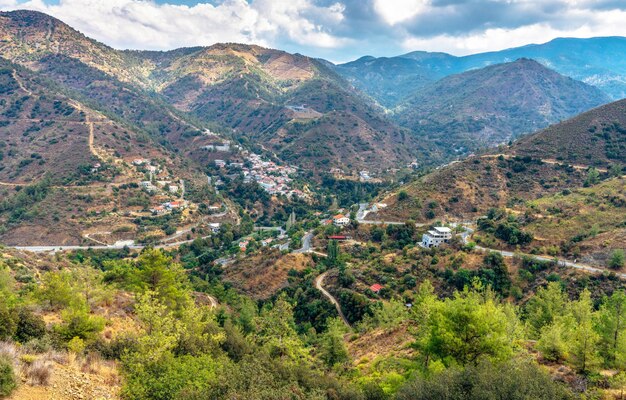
x,y
376,287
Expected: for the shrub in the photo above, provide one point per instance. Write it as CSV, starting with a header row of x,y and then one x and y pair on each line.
x,y
76,345
617,259
8,381
78,323
7,322
38,372
29,326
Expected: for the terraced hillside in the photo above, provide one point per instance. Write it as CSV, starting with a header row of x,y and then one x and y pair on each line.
x,y
259,95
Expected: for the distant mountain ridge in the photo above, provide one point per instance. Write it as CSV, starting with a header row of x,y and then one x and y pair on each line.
x,y
298,109
495,104
595,61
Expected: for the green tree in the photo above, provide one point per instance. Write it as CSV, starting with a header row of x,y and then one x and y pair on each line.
x,y
611,325
158,274
276,332
387,315
593,177
77,322
544,307
617,259
56,290
29,325
332,347
552,341
8,321
615,170
512,380
469,326
333,253
8,380
584,339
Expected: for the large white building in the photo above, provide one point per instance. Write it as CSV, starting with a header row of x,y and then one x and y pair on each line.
x,y
436,237
341,220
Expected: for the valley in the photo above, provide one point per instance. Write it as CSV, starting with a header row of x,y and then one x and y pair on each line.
x,y
234,221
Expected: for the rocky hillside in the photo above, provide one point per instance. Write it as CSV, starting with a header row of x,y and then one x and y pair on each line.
x,y
66,167
495,104
296,107
596,137
541,164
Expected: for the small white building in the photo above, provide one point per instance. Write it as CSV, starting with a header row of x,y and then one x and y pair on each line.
x,y
341,220
147,185
220,163
215,227
436,236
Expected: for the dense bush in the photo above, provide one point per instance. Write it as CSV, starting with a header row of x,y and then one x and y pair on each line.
x,y
8,381
513,380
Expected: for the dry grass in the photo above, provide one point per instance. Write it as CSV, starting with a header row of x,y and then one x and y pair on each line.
x,y
262,275
38,373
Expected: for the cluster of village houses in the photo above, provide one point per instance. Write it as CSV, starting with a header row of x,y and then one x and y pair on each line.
x,y
154,185
274,179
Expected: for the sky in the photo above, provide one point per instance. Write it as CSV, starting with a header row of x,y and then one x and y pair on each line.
x,y
337,30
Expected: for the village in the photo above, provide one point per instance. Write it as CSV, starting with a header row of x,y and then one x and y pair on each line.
x,y
274,179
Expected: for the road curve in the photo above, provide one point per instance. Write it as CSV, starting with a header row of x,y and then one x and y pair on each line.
x,y
319,282
213,301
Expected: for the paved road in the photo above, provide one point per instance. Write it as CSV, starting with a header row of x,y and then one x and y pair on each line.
x,y
306,243
319,285
117,246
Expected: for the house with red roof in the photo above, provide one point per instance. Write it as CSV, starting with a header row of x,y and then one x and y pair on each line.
x,y
341,220
376,287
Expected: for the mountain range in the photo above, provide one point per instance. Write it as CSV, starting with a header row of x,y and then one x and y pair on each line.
x,y
495,104
389,80
295,108
547,162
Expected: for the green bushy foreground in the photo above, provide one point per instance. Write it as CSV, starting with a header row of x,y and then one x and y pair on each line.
x,y
182,349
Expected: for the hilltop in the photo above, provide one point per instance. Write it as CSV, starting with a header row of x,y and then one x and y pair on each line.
x,y
540,164
287,104
492,105
596,137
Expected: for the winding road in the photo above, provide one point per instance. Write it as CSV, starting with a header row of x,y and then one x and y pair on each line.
x,y
562,263
319,285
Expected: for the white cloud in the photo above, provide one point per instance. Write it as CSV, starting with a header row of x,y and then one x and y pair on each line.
x,y
395,11
338,29
144,24
597,23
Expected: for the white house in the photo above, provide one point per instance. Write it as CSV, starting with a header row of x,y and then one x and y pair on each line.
x,y
436,236
215,227
341,220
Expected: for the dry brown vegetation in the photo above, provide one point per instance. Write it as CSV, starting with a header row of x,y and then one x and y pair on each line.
x,y
263,274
